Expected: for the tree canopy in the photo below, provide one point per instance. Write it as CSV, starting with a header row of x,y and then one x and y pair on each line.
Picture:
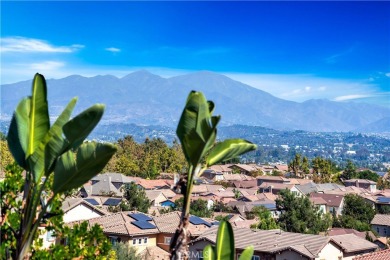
x,y
148,159
266,221
299,215
134,198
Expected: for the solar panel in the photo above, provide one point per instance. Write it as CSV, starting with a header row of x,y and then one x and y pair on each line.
x,y
92,201
143,224
198,221
384,199
139,217
112,202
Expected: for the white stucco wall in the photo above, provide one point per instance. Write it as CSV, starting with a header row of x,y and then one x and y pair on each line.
x,y
80,212
330,252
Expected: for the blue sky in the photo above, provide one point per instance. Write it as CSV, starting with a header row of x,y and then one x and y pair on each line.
x,y
293,50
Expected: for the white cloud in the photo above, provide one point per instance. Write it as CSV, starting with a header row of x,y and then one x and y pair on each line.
x,y
388,74
351,97
47,65
113,49
22,44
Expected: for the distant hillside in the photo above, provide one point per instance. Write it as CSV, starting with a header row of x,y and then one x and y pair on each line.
x,y
380,126
146,99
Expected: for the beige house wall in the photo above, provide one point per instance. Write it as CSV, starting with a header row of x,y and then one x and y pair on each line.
x,y
330,252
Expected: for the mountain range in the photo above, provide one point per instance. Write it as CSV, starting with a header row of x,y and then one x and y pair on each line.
x,y
146,99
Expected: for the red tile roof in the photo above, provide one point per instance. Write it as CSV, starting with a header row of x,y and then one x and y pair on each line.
x,y
379,255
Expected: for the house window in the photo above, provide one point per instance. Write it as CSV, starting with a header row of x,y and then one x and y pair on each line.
x,y
140,241
114,240
377,229
167,240
50,236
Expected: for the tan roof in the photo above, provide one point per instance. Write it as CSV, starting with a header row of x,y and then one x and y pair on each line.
x,y
276,186
246,167
379,255
153,194
282,167
221,168
154,184
318,200
299,181
120,223
343,231
332,200
167,223
352,243
381,219
168,193
272,241
273,178
364,181
71,203
154,252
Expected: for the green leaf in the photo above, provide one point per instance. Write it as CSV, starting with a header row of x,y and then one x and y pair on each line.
x,y
18,132
77,129
208,252
225,249
39,122
229,149
247,253
70,172
53,144
196,129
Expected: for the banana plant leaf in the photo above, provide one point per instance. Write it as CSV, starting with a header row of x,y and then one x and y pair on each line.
x,y
39,122
247,254
229,149
53,145
77,129
18,132
71,172
197,128
208,253
225,249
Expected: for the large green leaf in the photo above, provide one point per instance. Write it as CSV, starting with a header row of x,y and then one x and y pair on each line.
x,y
247,253
39,122
71,172
208,253
225,249
229,149
196,129
18,132
53,145
77,129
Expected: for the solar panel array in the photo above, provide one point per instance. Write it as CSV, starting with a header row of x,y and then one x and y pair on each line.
x,y
143,224
112,202
92,201
140,217
383,199
198,221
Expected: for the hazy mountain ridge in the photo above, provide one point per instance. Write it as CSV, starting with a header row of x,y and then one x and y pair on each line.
x,y
147,99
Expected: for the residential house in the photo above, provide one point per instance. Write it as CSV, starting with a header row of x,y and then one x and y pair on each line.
x,y
280,245
361,183
168,223
135,228
156,197
247,184
381,224
246,169
271,179
216,172
378,255
107,184
276,188
76,209
334,202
